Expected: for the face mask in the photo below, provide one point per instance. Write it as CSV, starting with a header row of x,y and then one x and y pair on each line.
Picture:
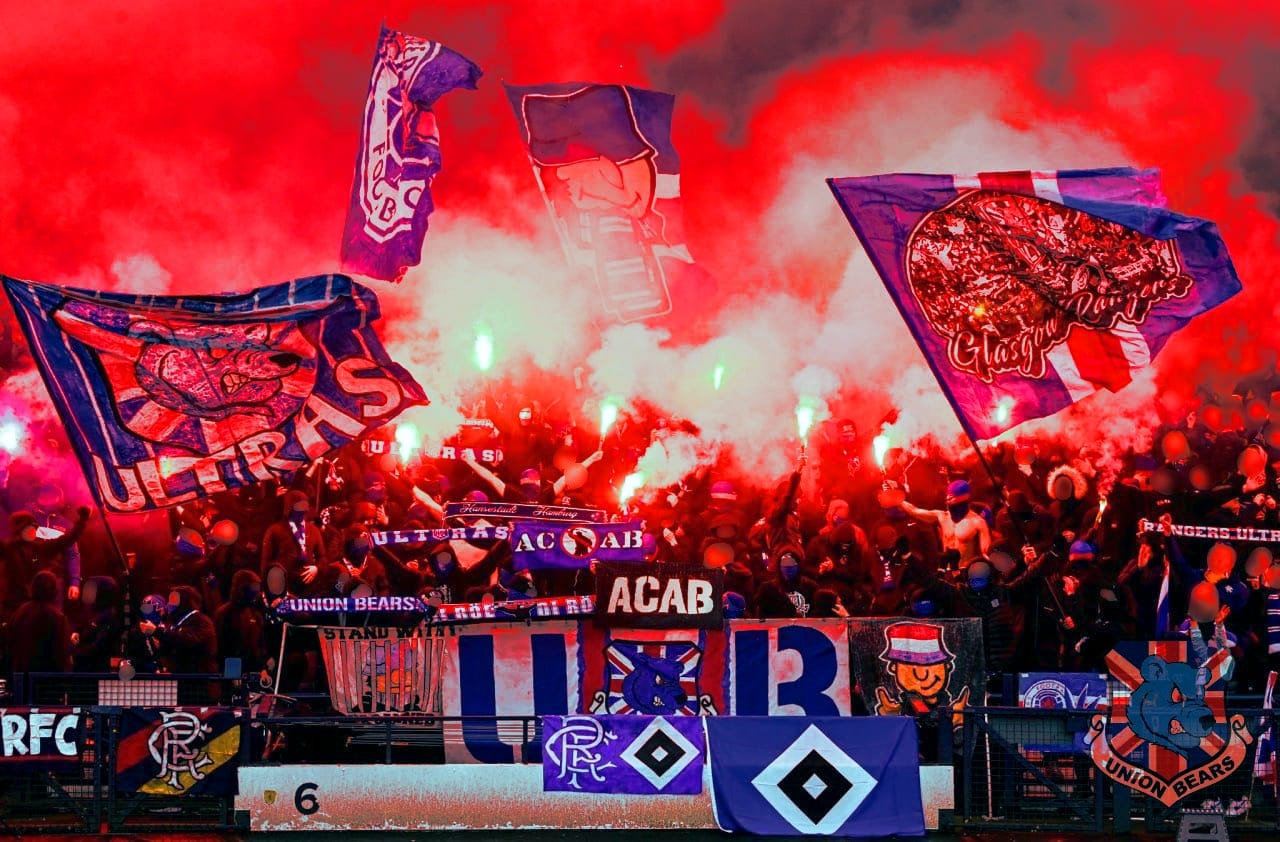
x,y
377,496
789,571
958,511
173,607
922,608
979,583
252,594
530,489
359,552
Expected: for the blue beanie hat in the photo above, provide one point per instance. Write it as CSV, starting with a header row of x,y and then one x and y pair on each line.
x,y
1081,548
958,491
735,605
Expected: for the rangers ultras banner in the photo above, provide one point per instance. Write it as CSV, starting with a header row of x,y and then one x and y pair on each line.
x,y
640,755
1028,291
399,153
184,751
912,667
604,161
166,399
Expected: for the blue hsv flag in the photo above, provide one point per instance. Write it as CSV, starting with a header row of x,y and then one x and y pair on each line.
x,y
1029,291
827,776
399,153
167,399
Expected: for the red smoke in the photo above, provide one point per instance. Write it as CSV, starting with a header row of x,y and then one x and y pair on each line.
x,y
208,147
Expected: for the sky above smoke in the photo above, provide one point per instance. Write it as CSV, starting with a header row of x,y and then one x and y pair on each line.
x,y
198,148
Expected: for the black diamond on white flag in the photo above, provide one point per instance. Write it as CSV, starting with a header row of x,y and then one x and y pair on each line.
x,y
814,785
660,753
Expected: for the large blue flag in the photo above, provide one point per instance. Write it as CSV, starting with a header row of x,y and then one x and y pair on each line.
x,y
610,176
640,755
829,776
166,399
1029,291
399,153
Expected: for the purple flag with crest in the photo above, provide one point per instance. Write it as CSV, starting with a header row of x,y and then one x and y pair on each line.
x,y
399,153
167,399
617,755
1029,291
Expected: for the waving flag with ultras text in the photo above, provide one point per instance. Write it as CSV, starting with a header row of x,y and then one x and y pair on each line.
x,y
167,399
399,153
1029,291
604,161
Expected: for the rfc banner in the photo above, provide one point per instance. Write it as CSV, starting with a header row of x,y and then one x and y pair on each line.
x,y
912,667
550,546
844,777
791,668
1029,291
603,159
167,399
399,153
1061,691
40,739
183,751
382,670
620,755
659,596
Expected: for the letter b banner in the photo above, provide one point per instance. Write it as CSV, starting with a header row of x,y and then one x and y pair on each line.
x,y
790,668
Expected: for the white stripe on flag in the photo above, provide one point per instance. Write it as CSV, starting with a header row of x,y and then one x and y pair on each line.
x,y
909,645
1046,186
1134,345
966,182
1065,365
668,186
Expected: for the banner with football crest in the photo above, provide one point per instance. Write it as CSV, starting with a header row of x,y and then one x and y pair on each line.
x,y
181,751
166,399
399,153
617,755
1164,731
653,672
911,667
610,176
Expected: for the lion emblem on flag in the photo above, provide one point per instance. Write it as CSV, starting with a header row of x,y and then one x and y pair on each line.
x,y
196,385
1005,278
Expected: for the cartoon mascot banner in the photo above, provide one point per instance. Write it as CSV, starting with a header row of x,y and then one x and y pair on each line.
x,y
912,667
1166,733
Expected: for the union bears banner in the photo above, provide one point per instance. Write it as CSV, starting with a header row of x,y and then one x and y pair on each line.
x,y
399,153
553,546
167,399
623,755
913,666
666,596
841,777
603,159
1029,291
40,739
183,751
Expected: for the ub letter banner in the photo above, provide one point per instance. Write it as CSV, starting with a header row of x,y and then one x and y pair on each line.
x,y
667,596
36,739
636,755
166,399
552,546
780,776
912,667
184,751
1028,291
399,153
604,162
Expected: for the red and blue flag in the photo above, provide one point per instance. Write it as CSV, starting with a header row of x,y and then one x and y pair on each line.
x,y
167,399
1029,291
399,153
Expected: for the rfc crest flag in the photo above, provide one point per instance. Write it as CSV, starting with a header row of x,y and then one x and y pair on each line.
x,y
828,776
632,755
184,751
399,153
604,161
167,399
1029,291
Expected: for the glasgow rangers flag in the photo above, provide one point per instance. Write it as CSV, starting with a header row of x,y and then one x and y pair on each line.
x,y
1028,291
166,399
399,153
610,176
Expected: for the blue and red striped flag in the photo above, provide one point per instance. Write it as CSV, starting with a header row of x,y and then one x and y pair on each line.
x,y
399,153
166,399
1029,291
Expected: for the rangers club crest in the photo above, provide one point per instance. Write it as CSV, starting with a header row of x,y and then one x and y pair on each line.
x,y
1166,734
1005,278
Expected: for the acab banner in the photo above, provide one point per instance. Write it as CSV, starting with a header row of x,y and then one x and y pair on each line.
x,y
554,546
659,596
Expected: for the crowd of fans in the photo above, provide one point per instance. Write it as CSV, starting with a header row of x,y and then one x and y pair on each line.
x,y
1056,568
